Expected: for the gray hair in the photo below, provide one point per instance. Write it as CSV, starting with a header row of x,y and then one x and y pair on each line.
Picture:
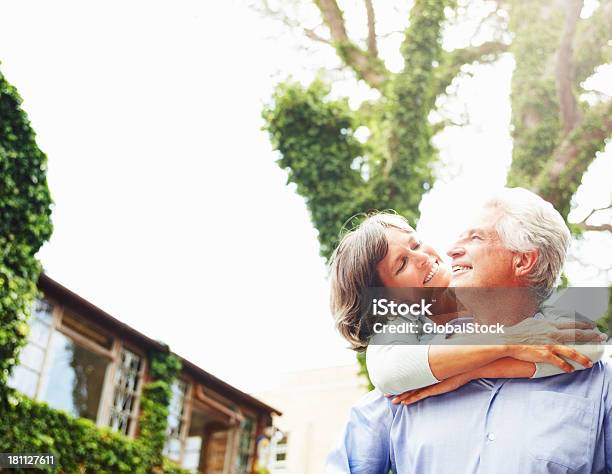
x,y
529,223
353,269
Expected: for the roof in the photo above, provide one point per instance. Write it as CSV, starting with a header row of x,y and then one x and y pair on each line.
x,y
81,305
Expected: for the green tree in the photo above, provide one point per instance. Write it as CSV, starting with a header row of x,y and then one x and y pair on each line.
x,y
556,134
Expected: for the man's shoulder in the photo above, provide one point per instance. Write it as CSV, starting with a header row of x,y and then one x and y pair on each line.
x,y
374,403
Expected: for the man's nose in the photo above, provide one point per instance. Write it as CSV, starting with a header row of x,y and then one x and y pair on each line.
x,y
456,251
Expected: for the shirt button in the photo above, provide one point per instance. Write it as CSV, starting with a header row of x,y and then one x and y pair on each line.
x,y
491,437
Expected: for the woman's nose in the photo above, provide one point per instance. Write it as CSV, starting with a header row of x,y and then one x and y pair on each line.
x,y
422,258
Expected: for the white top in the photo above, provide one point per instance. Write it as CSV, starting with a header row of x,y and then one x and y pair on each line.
x,y
396,369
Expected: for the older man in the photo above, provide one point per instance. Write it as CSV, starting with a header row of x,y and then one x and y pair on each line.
x,y
549,425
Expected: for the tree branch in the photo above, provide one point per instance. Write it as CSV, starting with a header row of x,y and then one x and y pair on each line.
x,y
293,24
333,17
593,211
372,46
570,115
597,228
485,53
592,41
313,35
367,66
560,178
594,227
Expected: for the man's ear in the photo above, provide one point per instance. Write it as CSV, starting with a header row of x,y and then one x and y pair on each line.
x,y
524,262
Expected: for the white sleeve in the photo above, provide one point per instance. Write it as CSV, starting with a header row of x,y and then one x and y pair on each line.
x,y
395,369
594,352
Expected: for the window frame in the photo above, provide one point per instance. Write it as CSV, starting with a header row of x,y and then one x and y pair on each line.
x,y
109,387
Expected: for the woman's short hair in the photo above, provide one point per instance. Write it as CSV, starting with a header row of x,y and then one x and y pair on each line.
x,y
353,270
529,223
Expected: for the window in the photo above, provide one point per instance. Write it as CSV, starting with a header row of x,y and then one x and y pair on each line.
x,y
245,446
56,369
75,378
279,451
176,420
126,392
79,368
26,376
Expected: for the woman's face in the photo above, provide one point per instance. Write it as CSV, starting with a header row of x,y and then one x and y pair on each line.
x,y
410,263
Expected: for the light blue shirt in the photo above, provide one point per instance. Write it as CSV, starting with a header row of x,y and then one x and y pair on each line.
x,y
557,424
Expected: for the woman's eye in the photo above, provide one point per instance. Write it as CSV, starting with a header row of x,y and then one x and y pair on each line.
x,y
417,245
402,266
476,237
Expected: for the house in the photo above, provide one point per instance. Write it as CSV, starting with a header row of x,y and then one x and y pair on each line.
x,y
86,362
316,404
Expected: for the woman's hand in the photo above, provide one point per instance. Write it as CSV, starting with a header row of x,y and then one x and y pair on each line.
x,y
448,385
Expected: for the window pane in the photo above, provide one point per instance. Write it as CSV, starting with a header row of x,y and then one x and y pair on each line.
x,y
75,378
39,332
24,380
43,311
172,449
119,421
32,356
175,419
25,377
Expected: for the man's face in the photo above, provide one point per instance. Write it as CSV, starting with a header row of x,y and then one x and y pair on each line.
x,y
479,258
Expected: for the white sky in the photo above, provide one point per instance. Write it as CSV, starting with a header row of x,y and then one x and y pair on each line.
x,y
170,212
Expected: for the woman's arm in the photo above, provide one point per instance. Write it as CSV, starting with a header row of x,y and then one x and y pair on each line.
x,y
541,360
505,368
446,361
399,368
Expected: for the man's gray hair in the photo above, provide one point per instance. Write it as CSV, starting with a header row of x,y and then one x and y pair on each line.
x,y
529,223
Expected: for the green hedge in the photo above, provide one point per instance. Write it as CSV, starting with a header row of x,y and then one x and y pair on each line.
x,y
81,446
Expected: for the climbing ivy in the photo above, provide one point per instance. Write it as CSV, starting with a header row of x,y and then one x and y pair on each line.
x,y
25,222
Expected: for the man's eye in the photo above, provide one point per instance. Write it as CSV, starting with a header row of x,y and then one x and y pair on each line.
x,y
417,245
476,237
